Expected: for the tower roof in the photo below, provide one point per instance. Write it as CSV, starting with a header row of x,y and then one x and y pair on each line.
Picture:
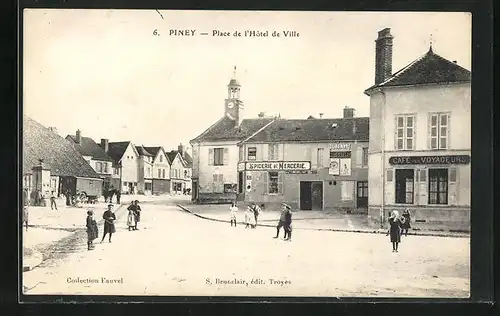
x,y
233,82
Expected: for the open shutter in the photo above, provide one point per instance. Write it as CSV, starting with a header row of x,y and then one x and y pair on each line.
x,y
225,157
265,176
280,182
452,186
359,156
210,156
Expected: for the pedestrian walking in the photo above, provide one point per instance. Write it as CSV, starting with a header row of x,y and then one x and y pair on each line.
x,y
118,196
131,217
92,230
249,218
109,222
288,223
256,211
406,222
234,211
53,203
281,222
395,230
25,215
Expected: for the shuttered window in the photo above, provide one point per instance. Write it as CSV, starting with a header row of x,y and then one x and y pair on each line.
x,y
389,175
439,130
273,151
365,157
405,132
320,155
218,156
274,182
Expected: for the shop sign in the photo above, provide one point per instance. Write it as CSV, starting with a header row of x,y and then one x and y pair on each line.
x,y
340,154
278,165
340,146
430,160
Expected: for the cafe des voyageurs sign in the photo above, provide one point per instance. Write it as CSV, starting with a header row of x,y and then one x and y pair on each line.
x,y
430,160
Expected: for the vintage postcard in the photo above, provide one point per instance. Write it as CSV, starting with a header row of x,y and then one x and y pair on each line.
x,y
246,153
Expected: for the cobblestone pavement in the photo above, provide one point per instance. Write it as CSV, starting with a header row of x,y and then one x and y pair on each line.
x,y
175,253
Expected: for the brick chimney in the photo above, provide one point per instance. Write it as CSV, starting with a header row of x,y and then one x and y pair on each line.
x,y
383,56
78,136
348,112
105,144
180,148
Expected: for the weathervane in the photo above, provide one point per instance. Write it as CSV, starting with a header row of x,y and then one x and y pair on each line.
x,y
234,72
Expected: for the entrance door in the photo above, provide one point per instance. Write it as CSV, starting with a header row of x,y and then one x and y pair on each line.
x,y
194,197
362,194
317,195
305,196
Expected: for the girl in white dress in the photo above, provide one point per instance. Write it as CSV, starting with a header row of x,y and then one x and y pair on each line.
x,y
234,211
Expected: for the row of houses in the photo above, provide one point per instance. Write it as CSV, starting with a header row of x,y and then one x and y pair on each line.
x,y
413,151
78,163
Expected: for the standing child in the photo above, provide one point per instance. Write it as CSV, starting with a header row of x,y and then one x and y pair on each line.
x,y
248,216
395,230
234,210
131,219
92,230
251,217
406,222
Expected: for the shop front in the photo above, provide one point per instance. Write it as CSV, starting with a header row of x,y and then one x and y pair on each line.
x,y
294,182
435,188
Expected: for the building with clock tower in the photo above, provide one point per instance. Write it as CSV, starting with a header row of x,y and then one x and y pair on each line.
x,y
215,151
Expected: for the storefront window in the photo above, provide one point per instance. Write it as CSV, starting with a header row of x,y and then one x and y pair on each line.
x,y
347,190
438,186
404,186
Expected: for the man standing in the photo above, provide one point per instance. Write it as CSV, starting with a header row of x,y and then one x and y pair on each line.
x,y
288,223
53,201
281,223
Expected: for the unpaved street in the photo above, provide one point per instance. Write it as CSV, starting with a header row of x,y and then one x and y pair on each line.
x,y
177,254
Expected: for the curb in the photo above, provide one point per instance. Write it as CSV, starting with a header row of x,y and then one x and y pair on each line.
x,y
38,257
360,231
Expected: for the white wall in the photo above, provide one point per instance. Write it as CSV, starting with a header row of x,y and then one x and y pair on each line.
x,y
206,171
163,165
130,166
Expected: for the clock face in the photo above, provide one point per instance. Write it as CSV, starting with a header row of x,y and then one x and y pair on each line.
x,y
230,105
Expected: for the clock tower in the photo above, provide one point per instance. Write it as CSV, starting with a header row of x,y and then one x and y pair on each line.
x,y
233,105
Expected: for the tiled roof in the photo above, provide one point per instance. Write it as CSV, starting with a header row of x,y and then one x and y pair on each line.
x,y
117,149
428,69
142,151
224,130
152,150
88,147
57,153
188,159
283,130
171,155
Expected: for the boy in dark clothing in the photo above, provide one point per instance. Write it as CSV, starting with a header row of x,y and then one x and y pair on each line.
x,y
281,223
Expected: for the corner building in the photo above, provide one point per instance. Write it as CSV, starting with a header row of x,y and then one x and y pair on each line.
x,y
419,152
311,164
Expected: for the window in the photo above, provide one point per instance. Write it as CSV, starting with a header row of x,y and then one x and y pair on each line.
x,y
273,153
362,189
404,186
218,156
365,157
161,158
149,172
105,167
347,190
185,174
241,152
163,174
274,183
319,157
159,173
439,130
98,166
405,132
252,153
438,186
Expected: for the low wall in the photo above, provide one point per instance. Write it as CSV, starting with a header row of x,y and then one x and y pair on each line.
x,y
425,218
216,198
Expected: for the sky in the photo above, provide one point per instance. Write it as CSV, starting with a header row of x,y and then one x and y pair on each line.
x,y
105,72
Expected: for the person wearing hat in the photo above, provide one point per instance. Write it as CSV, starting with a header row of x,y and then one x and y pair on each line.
x,y
281,222
288,223
92,230
109,222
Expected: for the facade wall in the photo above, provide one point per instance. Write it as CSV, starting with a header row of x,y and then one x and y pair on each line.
x,y
420,102
207,170
161,186
130,168
332,185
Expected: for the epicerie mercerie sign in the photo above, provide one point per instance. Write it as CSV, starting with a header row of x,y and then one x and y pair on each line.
x,y
278,165
430,160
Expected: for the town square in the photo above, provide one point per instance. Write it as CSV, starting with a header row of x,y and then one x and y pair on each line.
x,y
264,168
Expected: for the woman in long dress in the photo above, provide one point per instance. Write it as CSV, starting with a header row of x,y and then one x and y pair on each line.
x,y
109,222
395,230
92,230
406,223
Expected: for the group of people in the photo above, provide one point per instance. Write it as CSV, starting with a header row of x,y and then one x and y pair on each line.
x,y
109,217
251,217
397,226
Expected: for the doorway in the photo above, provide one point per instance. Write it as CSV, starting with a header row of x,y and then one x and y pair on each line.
x,y
311,195
362,194
194,196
